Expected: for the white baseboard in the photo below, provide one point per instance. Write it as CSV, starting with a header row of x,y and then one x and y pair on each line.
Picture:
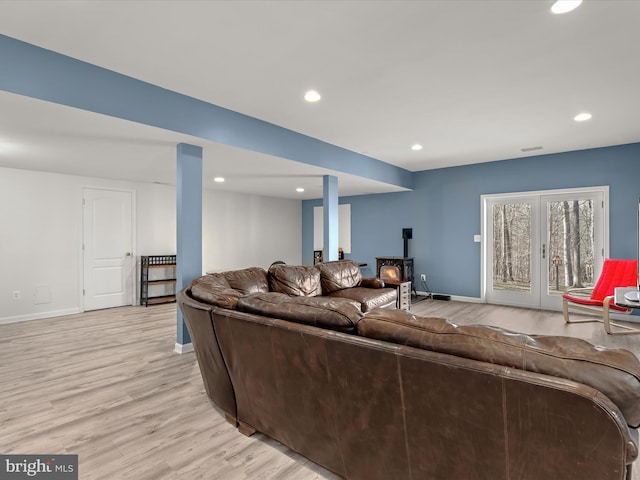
x,y
466,299
39,316
183,348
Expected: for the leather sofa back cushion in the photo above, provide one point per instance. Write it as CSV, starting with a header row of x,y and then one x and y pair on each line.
x,y
214,290
298,280
248,280
331,313
338,275
614,372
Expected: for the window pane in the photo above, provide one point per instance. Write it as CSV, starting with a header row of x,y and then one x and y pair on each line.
x,y
512,247
571,256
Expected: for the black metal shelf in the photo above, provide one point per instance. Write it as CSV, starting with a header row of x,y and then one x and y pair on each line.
x,y
149,262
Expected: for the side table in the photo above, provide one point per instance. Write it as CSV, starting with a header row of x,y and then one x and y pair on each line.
x,y
620,301
403,288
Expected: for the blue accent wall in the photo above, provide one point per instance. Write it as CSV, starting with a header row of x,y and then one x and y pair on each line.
x,y
376,227
444,211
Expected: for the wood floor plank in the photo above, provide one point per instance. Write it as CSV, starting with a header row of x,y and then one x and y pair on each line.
x,y
106,385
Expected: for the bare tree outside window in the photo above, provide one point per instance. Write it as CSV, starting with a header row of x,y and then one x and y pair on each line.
x,y
570,244
573,242
512,247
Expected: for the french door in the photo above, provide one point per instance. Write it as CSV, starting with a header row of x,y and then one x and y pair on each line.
x,y
538,245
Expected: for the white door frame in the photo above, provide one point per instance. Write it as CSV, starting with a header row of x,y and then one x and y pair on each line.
x,y
134,240
484,201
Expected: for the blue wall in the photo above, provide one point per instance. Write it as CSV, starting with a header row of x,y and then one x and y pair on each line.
x,y
444,211
376,227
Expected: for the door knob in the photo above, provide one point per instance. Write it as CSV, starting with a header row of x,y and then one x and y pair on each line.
x,y
128,254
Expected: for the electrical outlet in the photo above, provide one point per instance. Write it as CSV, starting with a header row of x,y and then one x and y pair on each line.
x,y
16,294
423,277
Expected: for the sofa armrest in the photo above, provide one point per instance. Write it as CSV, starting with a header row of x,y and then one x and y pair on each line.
x,y
372,283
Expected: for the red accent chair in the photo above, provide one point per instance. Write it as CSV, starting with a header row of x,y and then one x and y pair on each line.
x,y
599,299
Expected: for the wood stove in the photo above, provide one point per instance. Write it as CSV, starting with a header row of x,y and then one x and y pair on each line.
x,y
404,264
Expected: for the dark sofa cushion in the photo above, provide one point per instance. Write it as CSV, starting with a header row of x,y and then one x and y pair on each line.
x,y
372,282
248,280
216,279
368,298
614,372
214,290
331,313
298,280
339,275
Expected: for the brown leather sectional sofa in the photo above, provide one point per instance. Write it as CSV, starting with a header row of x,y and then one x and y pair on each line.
x,y
387,395
337,284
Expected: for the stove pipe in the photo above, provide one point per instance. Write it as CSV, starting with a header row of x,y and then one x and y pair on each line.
x,y
407,234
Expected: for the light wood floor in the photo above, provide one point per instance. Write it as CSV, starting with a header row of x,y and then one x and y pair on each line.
x,y
107,386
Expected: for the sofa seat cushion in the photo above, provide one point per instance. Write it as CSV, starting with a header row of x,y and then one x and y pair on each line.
x,y
339,275
214,290
614,372
248,280
331,313
368,298
298,280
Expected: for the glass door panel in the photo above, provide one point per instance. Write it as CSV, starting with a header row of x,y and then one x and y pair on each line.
x,y
514,272
512,247
574,245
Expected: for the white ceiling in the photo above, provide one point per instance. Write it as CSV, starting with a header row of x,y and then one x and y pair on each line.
x,y
472,81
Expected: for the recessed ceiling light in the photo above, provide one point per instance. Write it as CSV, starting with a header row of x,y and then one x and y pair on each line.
x,y
565,6
299,189
416,147
582,117
218,179
312,96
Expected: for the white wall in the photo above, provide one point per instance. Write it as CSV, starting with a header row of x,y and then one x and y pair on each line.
x,y
41,235
39,242
241,231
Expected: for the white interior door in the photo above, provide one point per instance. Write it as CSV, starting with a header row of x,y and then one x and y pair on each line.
x,y
538,245
107,248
